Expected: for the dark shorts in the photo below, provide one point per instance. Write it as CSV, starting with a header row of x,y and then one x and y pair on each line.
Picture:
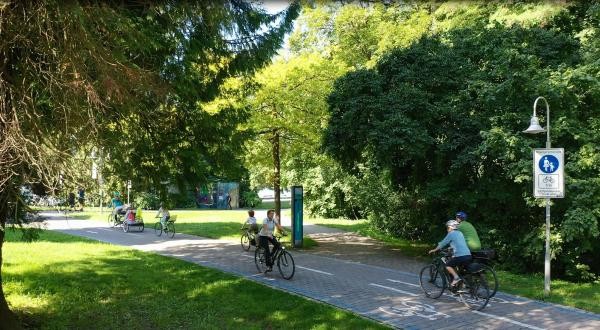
x,y
459,261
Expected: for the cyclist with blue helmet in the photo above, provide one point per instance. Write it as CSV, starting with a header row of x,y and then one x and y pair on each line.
x,y
467,229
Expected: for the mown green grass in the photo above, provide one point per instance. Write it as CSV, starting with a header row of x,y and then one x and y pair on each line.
x,y
580,295
62,281
271,205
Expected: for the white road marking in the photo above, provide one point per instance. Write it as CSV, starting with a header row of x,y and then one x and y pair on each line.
x,y
247,256
315,270
266,278
394,289
411,284
506,319
92,232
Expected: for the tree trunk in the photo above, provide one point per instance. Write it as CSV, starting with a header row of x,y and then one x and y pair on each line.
x,y
8,320
277,173
7,317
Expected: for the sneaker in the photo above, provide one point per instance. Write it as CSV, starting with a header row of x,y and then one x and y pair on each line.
x,y
269,269
456,281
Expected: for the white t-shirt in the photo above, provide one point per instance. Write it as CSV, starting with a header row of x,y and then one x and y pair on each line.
x,y
251,221
270,227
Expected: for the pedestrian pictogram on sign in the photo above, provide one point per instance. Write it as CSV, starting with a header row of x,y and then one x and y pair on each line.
x,y
548,173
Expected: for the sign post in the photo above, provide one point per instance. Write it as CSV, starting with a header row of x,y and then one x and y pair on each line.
x,y
128,188
297,216
548,177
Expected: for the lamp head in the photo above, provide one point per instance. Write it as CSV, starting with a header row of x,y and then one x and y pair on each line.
x,y
534,126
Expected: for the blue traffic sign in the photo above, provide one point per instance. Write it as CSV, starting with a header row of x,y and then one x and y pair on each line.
x,y
548,164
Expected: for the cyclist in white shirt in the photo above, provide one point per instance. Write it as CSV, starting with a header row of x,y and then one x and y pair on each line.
x,y
266,235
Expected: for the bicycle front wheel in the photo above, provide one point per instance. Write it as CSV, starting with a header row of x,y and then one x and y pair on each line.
x,y
245,240
432,280
170,229
478,293
260,259
286,265
158,229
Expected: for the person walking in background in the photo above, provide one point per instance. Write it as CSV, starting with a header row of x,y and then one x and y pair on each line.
x,y
81,197
71,200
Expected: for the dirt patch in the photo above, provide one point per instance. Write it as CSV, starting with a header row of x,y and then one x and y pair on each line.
x,y
353,247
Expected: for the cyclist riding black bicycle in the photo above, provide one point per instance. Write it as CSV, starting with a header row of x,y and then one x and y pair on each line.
x,y
462,255
266,235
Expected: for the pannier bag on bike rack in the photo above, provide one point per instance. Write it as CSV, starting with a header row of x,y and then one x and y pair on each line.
x,y
485,253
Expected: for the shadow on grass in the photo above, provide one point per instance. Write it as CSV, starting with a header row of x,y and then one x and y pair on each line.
x,y
103,286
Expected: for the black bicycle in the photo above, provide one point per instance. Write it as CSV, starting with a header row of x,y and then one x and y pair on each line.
x,y
473,290
284,260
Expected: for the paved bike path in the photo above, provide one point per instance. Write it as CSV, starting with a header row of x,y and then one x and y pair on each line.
x,y
389,296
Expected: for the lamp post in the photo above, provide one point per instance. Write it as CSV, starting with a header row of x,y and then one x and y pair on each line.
x,y
535,128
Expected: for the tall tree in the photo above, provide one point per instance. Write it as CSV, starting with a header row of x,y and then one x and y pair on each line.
x,y
71,73
288,112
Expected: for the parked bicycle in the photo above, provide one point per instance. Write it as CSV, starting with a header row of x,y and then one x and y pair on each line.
x,y
248,238
284,260
168,229
473,290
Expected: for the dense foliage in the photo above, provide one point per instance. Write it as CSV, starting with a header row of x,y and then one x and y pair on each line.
x,y
436,127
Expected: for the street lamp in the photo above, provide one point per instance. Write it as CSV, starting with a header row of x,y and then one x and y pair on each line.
x,y
535,128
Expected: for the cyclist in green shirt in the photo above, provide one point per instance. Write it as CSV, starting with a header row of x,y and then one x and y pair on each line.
x,y
468,231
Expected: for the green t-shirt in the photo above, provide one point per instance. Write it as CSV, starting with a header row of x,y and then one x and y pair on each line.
x,y
470,234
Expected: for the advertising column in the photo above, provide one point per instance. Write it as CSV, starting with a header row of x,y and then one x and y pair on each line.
x,y
297,216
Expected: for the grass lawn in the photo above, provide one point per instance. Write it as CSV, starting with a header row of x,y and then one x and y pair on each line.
x,y
63,281
581,295
271,205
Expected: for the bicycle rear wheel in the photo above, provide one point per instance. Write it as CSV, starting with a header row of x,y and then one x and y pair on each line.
x,y
260,259
491,279
170,229
285,263
478,292
432,280
158,229
245,240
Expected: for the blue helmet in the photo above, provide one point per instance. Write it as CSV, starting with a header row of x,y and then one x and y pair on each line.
x,y
462,215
